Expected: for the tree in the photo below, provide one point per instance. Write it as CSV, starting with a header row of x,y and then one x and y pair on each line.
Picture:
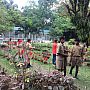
x,y
10,16
79,12
46,12
15,14
5,23
61,21
32,22
38,16
60,24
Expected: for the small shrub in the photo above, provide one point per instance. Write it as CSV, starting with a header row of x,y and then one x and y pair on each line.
x,y
71,41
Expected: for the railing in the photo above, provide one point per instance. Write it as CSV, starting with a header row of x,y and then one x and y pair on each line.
x,y
34,37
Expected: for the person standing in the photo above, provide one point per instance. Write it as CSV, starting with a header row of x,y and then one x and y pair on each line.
x,y
28,52
20,42
19,47
54,51
10,43
76,54
84,51
61,60
70,53
66,50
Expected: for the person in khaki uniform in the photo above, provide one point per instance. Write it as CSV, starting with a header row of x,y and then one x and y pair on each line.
x,y
61,56
84,52
76,54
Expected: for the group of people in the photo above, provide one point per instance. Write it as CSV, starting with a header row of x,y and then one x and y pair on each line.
x,y
24,50
61,52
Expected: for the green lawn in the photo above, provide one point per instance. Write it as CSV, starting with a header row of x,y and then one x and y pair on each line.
x,y
84,78
5,64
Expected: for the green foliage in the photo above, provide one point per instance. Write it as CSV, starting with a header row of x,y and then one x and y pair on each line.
x,y
60,24
10,16
80,16
71,41
39,16
43,16
6,64
32,22
34,17
5,23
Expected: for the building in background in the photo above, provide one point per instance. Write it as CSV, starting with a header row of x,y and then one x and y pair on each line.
x,y
18,30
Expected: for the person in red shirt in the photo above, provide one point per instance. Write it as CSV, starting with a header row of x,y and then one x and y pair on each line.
x,y
29,52
54,51
20,42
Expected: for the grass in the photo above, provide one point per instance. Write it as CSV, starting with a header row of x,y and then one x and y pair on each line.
x,y
84,78
5,64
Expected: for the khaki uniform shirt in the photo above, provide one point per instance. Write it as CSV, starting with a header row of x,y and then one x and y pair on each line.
x,y
60,50
59,57
76,55
76,51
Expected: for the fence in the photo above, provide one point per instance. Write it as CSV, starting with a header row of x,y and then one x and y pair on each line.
x,y
34,37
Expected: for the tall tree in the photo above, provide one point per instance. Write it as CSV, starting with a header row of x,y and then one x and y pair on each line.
x,y
61,20
5,23
15,14
79,12
60,24
46,13
10,16
38,16
32,21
